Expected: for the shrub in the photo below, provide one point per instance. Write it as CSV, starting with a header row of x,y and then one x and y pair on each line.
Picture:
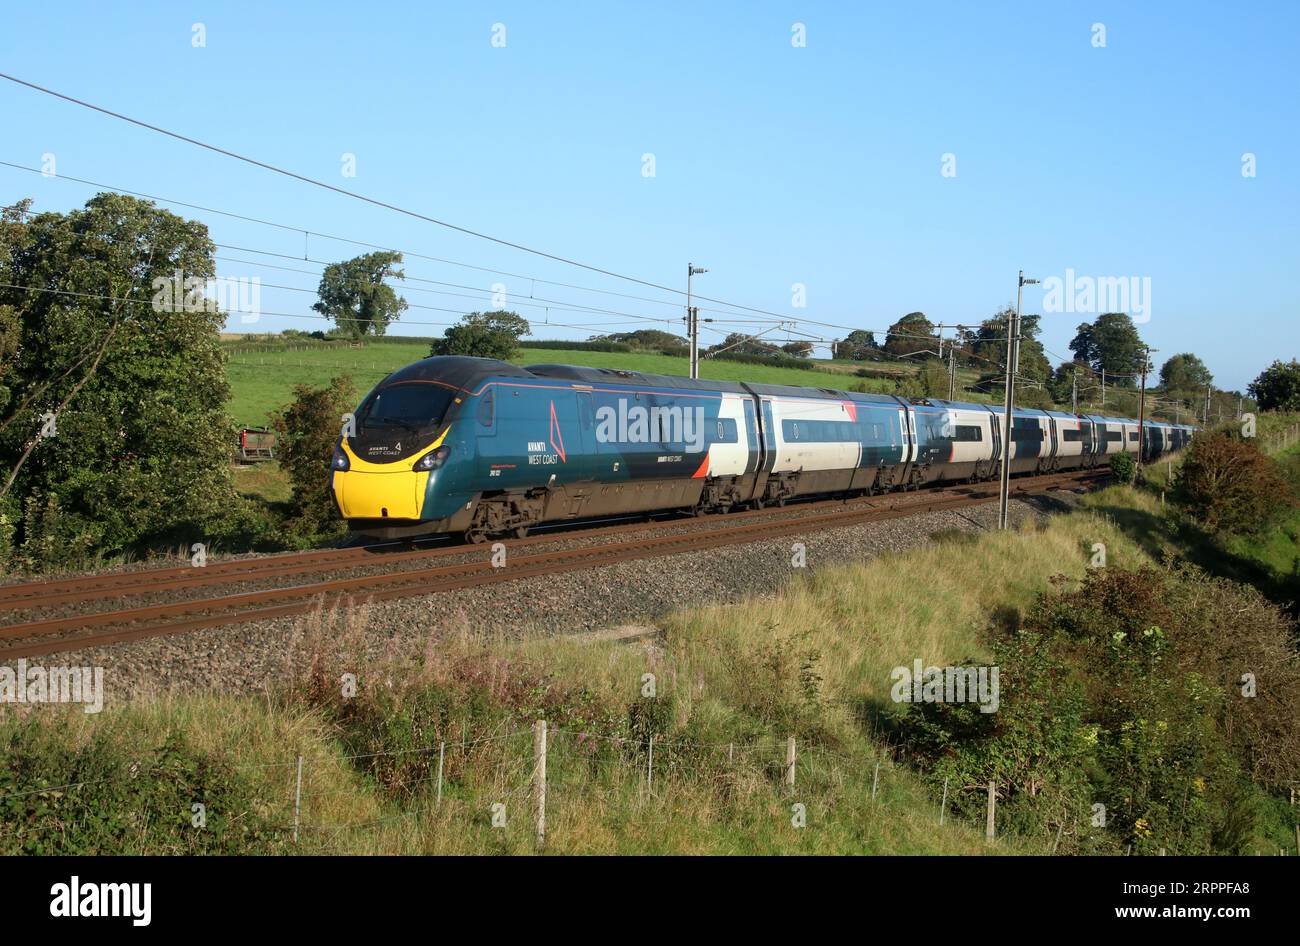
x,y
483,335
1230,486
560,345
308,430
112,795
1124,468
1127,692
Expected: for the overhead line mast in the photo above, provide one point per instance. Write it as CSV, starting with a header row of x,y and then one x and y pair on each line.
x,y
1013,363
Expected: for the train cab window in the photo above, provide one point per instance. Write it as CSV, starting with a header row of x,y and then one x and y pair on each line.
x,y
969,433
487,407
405,406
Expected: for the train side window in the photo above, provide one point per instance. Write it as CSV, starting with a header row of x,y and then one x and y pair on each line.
x,y
969,433
794,430
487,407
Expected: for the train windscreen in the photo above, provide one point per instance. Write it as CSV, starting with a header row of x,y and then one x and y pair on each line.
x,y
410,406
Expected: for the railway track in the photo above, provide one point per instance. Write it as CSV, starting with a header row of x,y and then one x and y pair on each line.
x,y
431,571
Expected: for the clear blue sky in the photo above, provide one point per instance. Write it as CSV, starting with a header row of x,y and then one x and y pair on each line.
x,y
775,165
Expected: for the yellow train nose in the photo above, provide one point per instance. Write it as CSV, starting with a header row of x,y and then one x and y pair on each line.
x,y
397,495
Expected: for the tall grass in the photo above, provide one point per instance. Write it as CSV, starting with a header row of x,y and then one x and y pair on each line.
x,y
732,683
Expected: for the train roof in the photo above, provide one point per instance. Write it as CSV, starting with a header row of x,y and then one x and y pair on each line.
x,y
461,371
830,394
467,373
617,376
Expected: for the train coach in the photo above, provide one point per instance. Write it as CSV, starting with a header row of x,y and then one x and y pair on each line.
x,y
483,448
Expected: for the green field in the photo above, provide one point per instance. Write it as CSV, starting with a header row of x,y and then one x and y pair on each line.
x,y
263,381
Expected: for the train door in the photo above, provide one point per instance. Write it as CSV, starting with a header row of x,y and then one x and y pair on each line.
x,y
995,441
769,436
593,461
755,447
907,434
492,468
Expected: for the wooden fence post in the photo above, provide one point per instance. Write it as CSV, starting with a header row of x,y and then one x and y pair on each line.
x,y
944,802
875,780
297,802
789,762
539,780
442,751
992,812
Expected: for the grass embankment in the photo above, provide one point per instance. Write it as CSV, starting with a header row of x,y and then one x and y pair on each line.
x,y
733,683
1276,551
262,378
1268,559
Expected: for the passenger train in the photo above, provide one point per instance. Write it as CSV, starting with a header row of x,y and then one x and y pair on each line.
x,y
482,448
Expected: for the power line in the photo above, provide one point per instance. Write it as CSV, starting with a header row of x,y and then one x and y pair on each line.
x,y
534,302
307,232
366,199
286,315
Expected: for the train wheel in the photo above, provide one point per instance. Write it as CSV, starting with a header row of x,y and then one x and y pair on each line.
x,y
520,532
475,536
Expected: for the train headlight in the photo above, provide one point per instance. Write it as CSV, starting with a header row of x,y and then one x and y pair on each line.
x,y
340,461
432,460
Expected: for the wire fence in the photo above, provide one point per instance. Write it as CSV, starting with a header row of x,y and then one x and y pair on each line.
x,y
519,790
1281,440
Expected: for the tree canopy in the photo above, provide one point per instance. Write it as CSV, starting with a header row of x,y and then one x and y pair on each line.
x,y
1112,344
484,335
355,296
739,343
112,430
911,334
988,344
1185,372
857,345
646,338
1278,387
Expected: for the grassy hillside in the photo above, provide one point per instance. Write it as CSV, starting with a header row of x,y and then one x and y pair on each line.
x,y
732,684
262,376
